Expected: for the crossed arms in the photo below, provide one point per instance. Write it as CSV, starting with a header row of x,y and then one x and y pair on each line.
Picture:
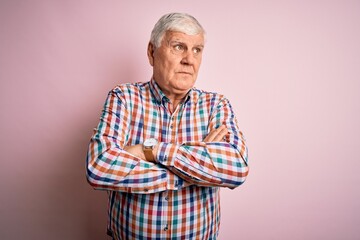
x,y
219,160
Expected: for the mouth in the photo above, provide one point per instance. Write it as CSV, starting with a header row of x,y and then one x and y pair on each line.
x,y
188,73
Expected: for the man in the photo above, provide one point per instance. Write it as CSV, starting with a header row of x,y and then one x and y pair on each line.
x,y
163,148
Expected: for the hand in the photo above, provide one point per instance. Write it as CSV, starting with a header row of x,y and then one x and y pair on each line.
x,y
216,135
136,150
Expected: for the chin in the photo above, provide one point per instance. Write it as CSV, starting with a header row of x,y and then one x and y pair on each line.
x,y
187,80
186,85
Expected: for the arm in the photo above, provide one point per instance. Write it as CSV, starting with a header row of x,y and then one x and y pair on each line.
x,y
212,162
109,166
137,150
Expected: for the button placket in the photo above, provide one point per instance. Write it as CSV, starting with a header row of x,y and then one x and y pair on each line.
x,y
166,227
173,126
164,218
171,123
166,196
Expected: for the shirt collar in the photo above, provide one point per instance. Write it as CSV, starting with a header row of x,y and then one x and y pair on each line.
x,y
155,89
160,96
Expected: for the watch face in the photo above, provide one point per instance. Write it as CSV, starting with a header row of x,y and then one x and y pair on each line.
x,y
150,142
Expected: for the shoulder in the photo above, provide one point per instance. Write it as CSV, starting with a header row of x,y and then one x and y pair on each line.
x,y
128,90
210,100
201,96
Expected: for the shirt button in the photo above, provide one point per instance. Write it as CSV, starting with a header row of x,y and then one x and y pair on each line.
x,y
171,126
167,198
166,228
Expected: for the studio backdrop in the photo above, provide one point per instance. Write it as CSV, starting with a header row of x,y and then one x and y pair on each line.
x,y
290,69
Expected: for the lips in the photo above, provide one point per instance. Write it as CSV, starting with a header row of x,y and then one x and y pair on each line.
x,y
189,73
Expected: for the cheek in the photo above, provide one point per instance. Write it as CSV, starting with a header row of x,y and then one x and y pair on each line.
x,y
167,64
198,63
161,67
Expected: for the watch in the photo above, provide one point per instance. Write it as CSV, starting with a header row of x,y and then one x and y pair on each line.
x,y
148,147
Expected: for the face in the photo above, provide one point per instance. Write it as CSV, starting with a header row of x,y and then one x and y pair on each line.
x,y
176,62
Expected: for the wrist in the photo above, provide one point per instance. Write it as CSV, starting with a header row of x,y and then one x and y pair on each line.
x,y
150,149
155,150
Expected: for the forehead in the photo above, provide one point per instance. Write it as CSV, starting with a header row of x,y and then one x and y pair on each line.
x,y
195,40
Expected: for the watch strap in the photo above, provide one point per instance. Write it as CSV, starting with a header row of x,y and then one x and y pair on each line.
x,y
149,154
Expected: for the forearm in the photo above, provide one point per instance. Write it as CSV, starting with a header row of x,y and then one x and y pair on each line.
x,y
127,170
206,164
109,165
174,182
219,160
111,168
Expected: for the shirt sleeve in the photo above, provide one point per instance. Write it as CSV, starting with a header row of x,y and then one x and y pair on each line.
x,y
223,164
109,167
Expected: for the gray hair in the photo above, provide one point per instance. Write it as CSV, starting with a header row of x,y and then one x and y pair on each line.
x,y
180,22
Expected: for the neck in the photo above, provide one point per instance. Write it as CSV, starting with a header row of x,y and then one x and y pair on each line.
x,y
175,98
174,103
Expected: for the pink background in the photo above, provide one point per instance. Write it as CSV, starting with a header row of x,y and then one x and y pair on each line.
x,y
290,68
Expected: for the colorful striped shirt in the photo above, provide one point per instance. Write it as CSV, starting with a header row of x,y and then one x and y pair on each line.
x,y
176,197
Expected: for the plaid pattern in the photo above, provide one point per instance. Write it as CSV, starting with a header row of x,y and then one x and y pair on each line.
x,y
178,196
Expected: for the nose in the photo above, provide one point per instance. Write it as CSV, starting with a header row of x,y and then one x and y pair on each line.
x,y
188,58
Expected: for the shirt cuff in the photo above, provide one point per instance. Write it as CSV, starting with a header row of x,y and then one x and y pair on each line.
x,y
166,153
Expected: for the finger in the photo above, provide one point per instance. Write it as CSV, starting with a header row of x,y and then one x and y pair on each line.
x,y
212,134
220,136
209,137
126,148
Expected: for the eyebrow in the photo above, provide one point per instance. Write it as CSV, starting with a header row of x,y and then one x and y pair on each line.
x,y
177,41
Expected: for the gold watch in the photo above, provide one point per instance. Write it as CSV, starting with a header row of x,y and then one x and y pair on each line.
x,y
148,147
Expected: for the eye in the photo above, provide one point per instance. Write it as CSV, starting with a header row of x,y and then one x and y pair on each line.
x,y
179,48
197,50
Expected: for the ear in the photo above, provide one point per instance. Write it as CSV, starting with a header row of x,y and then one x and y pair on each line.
x,y
150,53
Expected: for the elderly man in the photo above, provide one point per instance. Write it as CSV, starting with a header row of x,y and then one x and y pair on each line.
x,y
163,148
